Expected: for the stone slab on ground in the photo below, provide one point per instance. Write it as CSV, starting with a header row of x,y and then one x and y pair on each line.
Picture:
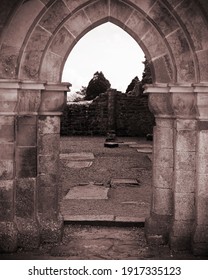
x,y
103,218
78,156
129,219
88,218
145,150
124,183
79,164
89,191
140,146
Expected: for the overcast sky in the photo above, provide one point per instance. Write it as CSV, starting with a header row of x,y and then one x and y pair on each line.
x,y
106,48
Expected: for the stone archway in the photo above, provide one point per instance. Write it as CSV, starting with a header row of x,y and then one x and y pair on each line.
x,y
36,38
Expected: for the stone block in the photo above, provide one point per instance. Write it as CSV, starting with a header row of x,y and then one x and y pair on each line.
x,y
52,101
49,124
7,151
8,64
48,201
163,157
48,144
120,11
77,23
163,177
61,42
25,197
6,169
202,184
202,59
181,124
7,128
97,10
8,100
163,68
202,210
8,237
30,66
6,210
48,164
164,137
185,161
185,181
153,42
184,207
164,123
73,4
182,228
183,57
47,180
6,190
54,16
138,23
162,201
202,163
51,67
29,101
185,140
26,162
28,233
163,18
145,6
26,131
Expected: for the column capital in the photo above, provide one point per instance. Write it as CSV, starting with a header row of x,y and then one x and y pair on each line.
x,y
159,100
53,98
183,100
201,92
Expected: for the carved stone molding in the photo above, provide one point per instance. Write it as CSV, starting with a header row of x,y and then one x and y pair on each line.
x,y
159,100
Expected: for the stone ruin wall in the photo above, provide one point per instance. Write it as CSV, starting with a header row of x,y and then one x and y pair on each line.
x,y
132,116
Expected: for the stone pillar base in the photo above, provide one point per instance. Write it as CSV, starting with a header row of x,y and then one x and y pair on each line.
x,y
200,241
157,229
28,234
8,237
51,231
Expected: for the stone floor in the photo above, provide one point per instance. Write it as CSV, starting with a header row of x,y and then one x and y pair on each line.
x,y
123,197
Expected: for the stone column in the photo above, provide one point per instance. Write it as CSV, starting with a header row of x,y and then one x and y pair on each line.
x,y
200,237
50,221
8,104
29,95
183,104
158,224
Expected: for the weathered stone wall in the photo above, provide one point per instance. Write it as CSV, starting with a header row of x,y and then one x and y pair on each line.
x,y
132,116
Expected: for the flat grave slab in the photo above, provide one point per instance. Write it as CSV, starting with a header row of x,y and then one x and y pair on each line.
x,y
89,191
77,156
145,151
124,183
141,146
79,164
93,218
